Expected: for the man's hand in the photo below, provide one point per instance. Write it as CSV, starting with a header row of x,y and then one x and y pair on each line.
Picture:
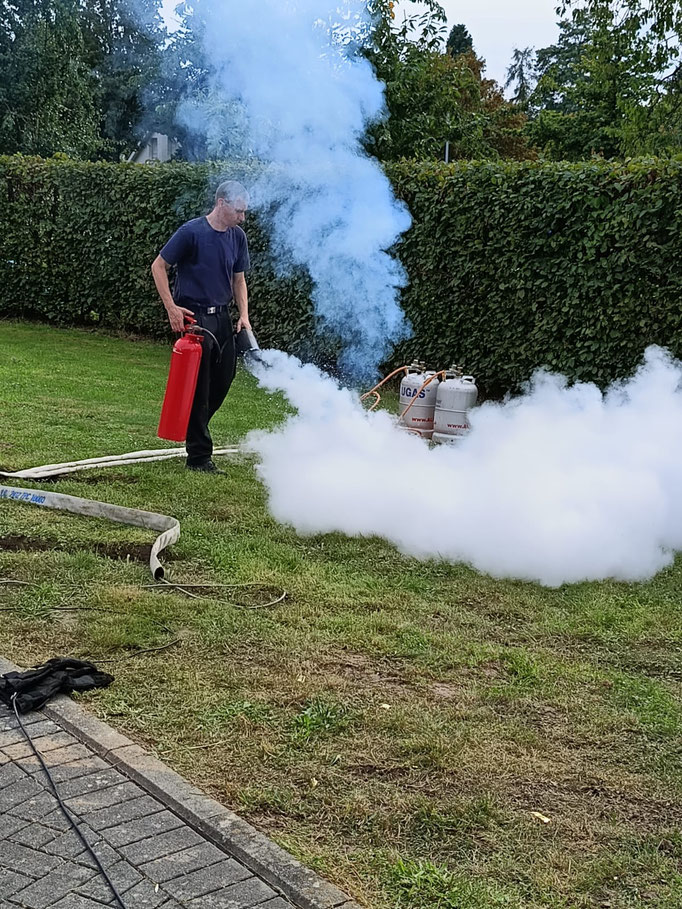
x,y
243,323
176,317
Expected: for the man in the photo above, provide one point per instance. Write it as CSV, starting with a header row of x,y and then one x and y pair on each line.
x,y
211,255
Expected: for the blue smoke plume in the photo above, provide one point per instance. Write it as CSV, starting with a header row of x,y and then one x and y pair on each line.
x,y
290,82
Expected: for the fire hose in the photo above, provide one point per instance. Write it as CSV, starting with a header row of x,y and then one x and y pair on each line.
x,y
167,527
133,457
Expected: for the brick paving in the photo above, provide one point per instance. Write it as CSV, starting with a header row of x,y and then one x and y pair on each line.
x,y
155,859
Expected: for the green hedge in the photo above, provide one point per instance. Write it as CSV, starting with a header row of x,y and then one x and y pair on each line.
x,y
576,267
77,240
512,265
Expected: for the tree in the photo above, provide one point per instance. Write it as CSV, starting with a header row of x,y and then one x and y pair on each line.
x,y
433,98
600,85
459,41
47,92
184,103
661,20
73,74
521,75
123,40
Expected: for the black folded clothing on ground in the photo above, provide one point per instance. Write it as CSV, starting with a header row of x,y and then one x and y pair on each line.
x,y
61,675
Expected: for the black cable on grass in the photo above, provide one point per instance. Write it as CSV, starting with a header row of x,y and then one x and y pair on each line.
x,y
160,585
123,659
136,653
187,588
163,584
66,811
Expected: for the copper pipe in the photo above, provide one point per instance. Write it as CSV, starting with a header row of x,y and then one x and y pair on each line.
x,y
419,391
383,381
376,403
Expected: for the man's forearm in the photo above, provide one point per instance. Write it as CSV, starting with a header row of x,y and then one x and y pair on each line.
x,y
241,298
160,275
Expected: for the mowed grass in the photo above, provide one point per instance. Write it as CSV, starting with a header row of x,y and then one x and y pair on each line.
x,y
421,734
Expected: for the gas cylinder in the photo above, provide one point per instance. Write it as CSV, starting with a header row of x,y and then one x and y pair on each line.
x,y
182,383
456,395
419,417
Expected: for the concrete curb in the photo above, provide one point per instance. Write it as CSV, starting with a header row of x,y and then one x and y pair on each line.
x,y
218,824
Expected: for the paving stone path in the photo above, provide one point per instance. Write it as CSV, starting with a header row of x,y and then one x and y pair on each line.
x,y
155,859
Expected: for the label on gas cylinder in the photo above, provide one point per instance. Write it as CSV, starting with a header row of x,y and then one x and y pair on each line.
x,y
411,392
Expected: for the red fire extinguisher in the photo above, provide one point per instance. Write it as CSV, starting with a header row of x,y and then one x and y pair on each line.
x,y
182,383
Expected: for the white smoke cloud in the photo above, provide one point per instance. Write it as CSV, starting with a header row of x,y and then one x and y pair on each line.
x,y
305,99
562,484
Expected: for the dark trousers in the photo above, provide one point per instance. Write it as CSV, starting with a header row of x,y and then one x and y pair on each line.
x,y
218,365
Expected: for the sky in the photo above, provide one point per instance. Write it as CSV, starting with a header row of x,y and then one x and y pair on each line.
x,y
498,26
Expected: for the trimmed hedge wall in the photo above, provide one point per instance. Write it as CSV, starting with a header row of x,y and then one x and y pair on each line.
x,y
512,265
576,267
77,240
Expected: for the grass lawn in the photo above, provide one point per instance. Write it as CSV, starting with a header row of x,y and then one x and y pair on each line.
x,y
422,735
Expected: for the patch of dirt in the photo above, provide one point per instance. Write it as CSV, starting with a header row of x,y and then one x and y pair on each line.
x,y
371,771
446,692
359,668
137,552
602,802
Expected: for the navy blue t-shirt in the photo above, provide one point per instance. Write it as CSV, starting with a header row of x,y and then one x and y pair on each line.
x,y
206,260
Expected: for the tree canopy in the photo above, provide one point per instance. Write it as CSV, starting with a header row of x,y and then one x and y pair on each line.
x,y
521,76
459,41
88,77
434,98
47,92
611,83
73,74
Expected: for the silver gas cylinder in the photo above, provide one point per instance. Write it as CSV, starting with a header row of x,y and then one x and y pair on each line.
x,y
419,418
456,395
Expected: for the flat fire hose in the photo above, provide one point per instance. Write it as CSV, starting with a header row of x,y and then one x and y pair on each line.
x,y
133,457
168,528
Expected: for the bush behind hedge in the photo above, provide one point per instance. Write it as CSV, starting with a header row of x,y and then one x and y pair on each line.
x,y
575,267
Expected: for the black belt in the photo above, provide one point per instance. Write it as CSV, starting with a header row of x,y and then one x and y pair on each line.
x,y
209,310
200,307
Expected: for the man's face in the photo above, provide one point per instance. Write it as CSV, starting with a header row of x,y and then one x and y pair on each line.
x,y
233,212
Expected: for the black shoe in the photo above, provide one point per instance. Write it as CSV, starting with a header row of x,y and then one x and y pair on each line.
x,y
205,467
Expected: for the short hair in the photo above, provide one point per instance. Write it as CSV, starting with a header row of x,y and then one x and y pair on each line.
x,y
231,192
